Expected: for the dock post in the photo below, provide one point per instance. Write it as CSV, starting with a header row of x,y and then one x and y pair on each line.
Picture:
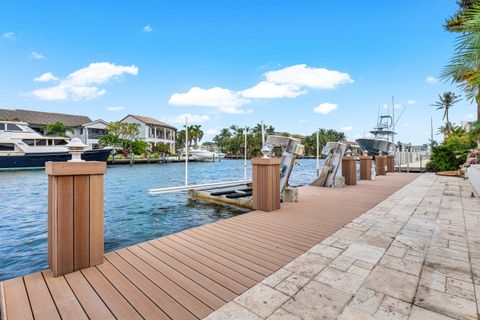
x,y
366,167
390,163
266,183
380,165
349,170
75,215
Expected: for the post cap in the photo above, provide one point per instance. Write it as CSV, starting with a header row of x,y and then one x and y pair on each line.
x,y
75,168
266,161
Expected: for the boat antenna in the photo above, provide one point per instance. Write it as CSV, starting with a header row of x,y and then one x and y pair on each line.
x,y
263,132
393,119
398,119
245,156
186,151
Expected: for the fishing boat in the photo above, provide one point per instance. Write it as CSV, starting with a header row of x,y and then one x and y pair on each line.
x,y
382,139
23,147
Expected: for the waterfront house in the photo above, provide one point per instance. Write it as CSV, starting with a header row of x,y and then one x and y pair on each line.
x,y
83,127
154,131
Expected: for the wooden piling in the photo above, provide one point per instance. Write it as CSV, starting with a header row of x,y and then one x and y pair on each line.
x,y
75,215
366,168
266,184
349,170
390,163
380,163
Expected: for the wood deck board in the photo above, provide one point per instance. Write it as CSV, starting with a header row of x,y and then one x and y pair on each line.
x,y
67,304
41,301
170,306
88,298
189,301
189,274
208,271
205,261
115,302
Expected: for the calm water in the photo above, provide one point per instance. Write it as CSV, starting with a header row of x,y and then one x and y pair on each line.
x,y
131,214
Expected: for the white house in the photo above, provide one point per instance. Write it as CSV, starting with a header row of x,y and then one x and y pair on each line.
x,y
91,132
154,131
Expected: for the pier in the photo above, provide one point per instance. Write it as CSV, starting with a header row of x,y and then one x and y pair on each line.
x,y
190,274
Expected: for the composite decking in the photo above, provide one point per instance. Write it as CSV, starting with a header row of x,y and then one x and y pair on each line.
x,y
189,274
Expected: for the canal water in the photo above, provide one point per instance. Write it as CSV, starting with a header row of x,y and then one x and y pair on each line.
x,y
131,214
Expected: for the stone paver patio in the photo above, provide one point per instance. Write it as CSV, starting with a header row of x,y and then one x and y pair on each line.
x,y
416,255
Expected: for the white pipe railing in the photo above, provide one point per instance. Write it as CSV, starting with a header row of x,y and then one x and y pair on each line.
x,y
202,186
409,157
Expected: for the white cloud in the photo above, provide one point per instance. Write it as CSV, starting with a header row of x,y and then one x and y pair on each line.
x,y
10,36
469,116
46,77
302,75
115,108
411,102
325,108
222,99
192,118
83,83
36,56
346,128
147,28
270,90
289,82
431,80
211,132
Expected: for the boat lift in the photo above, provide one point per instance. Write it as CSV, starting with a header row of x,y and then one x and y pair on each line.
x,y
334,152
239,193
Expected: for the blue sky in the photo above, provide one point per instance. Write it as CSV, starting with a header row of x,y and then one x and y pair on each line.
x,y
346,59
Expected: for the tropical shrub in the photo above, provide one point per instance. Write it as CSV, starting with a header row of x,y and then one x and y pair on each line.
x,y
452,153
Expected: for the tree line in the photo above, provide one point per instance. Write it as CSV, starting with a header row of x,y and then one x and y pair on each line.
x,y
231,140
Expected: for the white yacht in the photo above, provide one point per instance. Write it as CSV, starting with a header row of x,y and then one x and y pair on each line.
x,y
23,147
204,155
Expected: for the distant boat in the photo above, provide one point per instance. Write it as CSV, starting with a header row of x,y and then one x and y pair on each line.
x,y
204,155
23,147
382,137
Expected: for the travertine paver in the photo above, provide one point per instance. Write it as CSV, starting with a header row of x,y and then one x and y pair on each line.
x,y
416,255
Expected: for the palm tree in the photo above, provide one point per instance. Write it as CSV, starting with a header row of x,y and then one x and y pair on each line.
x,y
464,67
57,128
445,102
196,133
474,131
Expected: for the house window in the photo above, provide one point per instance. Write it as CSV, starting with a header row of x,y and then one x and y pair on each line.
x,y
95,133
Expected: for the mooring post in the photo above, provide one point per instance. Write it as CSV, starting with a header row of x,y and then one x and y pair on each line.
x,y
266,183
366,167
349,170
390,163
75,215
380,165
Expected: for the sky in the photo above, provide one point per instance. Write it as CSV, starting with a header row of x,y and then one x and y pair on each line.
x,y
297,65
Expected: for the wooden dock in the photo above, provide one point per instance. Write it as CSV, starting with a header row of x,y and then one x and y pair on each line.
x,y
189,274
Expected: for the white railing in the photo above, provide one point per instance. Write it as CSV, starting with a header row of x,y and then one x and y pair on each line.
x,y
413,159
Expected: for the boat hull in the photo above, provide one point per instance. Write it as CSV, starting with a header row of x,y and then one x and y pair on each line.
x,y
375,146
38,160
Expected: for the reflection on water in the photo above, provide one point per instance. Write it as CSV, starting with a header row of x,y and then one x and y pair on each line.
x,y
131,214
